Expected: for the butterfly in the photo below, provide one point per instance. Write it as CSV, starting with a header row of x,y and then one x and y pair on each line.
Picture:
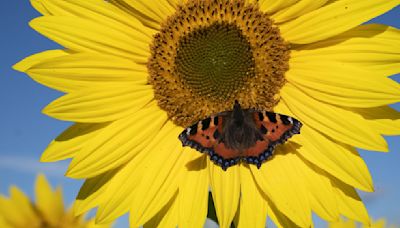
x,y
247,135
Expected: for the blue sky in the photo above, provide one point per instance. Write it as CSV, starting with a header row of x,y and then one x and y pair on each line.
x,y
25,132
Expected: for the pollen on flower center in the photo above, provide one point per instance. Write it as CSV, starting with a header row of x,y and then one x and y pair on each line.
x,y
211,53
215,61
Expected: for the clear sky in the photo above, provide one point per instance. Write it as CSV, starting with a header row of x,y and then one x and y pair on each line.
x,y
25,132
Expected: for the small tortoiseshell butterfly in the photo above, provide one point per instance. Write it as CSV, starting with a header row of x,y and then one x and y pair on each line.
x,y
241,134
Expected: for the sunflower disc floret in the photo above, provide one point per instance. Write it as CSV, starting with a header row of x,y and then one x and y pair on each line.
x,y
211,53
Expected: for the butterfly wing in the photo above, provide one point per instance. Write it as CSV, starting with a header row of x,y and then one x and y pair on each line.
x,y
275,129
206,137
200,135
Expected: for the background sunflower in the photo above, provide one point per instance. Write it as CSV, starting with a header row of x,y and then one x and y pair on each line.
x,y
47,210
39,128
346,223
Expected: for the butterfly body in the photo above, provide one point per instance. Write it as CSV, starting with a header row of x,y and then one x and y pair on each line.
x,y
247,135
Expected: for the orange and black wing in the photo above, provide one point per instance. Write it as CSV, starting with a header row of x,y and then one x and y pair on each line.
x,y
275,129
206,137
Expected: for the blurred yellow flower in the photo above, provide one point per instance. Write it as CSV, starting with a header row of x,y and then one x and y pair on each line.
x,y
347,223
137,72
48,211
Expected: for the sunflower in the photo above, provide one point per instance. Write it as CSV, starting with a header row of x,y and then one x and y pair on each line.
x,y
343,223
48,211
136,73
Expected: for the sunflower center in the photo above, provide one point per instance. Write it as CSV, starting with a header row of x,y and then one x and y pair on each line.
x,y
210,53
215,60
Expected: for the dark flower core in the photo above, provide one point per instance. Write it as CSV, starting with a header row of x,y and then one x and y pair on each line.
x,y
213,52
215,61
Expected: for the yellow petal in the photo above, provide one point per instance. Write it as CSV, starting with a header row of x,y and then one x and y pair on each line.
x,y
350,204
299,8
70,218
167,217
372,47
24,207
320,192
40,7
271,6
343,85
4,223
280,220
157,10
32,60
67,144
10,213
282,181
118,143
49,202
333,19
175,3
385,119
91,194
84,35
73,72
225,187
151,23
340,161
337,123
193,191
122,189
380,223
377,37
92,224
17,211
343,224
100,11
253,206
101,104
161,178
